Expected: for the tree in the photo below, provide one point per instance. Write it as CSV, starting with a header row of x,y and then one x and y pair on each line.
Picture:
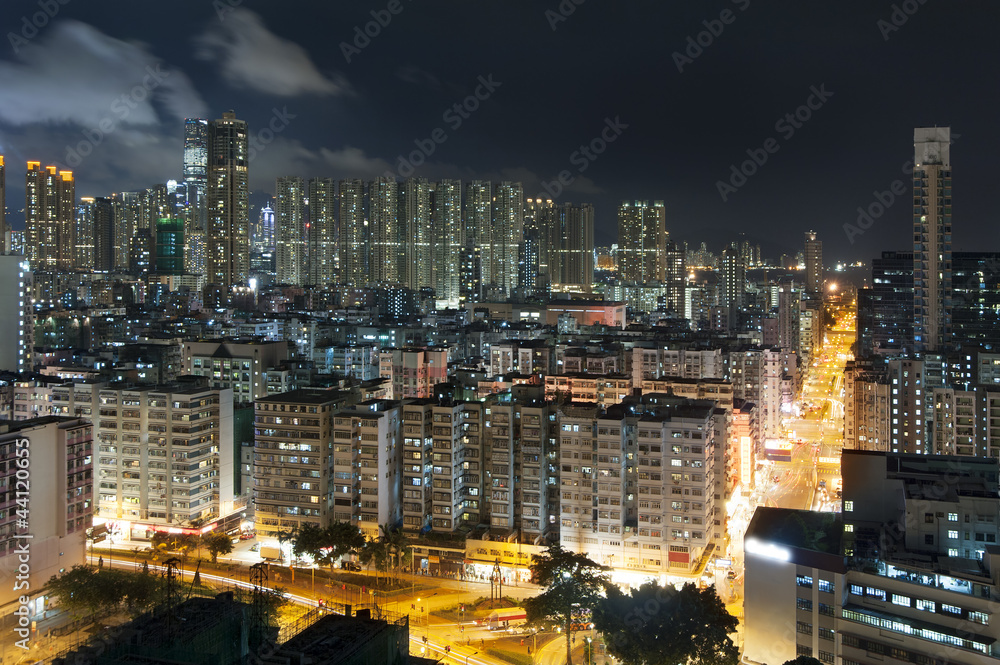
x,y
310,540
395,543
374,555
803,660
85,591
655,625
217,543
572,581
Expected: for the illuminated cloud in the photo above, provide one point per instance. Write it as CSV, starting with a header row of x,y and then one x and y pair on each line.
x,y
252,57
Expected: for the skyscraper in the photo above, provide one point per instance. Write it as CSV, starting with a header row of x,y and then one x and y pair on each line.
x,y
508,226
675,278
477,216
571,256
354,234
642,240
228,236
50,217
290,230
449,242
417,223
4,229
931,237
263,237
321,231
83,252
814,265
196,135
540,216
732,286
104,234
383,195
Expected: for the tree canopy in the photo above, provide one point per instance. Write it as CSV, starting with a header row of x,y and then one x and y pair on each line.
x,y
654,625
217,543
327,545
572,582
84,590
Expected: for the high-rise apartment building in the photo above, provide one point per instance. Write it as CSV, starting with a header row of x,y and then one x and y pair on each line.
x,y
58,452
413,372
417,217
228,234
83,254
733,284
674,279
477,217
290,230
540,218
384,228
642,238
449,242
367,464
910,407
166,454
867,408
673,450
239,367
932,269
4,227
17,318
321,232
519,456
442,464
50,217
292,459
814,265
354,233
508,226
571,248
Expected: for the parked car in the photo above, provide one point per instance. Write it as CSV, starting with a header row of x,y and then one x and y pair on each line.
x,y
350,565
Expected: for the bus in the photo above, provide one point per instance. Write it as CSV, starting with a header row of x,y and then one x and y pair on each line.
x,y
503,619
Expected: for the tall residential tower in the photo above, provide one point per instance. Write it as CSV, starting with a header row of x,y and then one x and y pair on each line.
x,y
228,238
931,237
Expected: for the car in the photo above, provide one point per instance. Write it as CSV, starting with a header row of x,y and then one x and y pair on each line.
x,y
350,565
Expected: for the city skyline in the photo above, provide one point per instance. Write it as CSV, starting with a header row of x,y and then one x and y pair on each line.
x,y
315,109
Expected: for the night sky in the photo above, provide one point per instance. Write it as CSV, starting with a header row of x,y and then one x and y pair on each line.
x,y
557,80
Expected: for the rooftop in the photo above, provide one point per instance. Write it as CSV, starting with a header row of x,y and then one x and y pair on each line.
x,y
304,396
